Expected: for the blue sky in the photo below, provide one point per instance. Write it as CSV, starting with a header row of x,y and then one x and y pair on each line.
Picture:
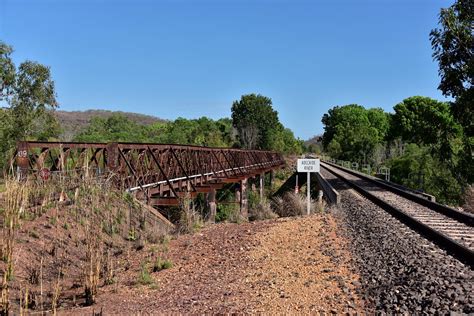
x,y
193,58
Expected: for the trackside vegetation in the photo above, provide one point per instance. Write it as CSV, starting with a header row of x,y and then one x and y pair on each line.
x,y
421,143
427,143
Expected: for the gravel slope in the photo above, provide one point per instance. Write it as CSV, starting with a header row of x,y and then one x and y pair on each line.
x,y
291,265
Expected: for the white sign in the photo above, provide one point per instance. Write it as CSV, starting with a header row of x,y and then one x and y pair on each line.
x,y
308,165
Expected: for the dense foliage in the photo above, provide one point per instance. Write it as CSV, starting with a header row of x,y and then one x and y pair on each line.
x,y
255,120
417,168
453,46
427,143
258,127
421,142
353,132
202,132
254,124
119,128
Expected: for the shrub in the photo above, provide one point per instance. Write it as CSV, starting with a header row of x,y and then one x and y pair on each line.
x,y
155,236
292,204
468,198
229,213
144,277
262,210
162,264
190,221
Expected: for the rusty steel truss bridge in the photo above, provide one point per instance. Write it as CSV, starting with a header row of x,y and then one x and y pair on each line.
x,y
161,174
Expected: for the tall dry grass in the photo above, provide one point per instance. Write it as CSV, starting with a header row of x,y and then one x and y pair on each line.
x,y
262,210
15,198
190,219
293,204
92,199
95,200
468,198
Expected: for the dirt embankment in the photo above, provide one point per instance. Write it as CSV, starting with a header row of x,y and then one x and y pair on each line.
x,y
53,253
286,265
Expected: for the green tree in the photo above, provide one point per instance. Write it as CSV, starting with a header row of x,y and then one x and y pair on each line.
x,y
426,121
419,170
33,99
115,128
30,95
119,128
283,140
255,120
352,132
202,131
7,70
454,51
226,131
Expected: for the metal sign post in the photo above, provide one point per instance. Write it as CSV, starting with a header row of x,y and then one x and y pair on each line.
x,y
296,186
308,166
308,195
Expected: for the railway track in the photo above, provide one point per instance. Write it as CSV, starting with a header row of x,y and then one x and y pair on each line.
x,y
451,229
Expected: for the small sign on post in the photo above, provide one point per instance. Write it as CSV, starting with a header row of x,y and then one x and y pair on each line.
x,y
308,166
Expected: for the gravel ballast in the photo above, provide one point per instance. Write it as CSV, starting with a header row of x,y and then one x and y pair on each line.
x,y
400,271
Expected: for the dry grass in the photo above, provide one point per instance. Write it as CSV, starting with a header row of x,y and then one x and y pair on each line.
x,y
190,220
15,196
82,217
56,292
292,204
469,199
261,211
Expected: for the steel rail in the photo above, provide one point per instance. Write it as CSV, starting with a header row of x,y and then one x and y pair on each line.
x,y
462,217
459,251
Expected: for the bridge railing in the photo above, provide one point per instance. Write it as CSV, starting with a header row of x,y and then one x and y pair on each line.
x,y
380,171
140,166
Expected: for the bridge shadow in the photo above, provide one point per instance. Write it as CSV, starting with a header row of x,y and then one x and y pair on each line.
x,y
368,185
290,183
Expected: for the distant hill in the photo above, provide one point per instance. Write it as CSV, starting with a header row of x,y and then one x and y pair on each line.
x,y
315,144
73,121
315,140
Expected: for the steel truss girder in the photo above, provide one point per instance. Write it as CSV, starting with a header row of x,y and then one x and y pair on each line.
x,y
156,170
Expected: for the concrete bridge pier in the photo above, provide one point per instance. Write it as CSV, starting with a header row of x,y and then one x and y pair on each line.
x,y
261,184
211,205
244,204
